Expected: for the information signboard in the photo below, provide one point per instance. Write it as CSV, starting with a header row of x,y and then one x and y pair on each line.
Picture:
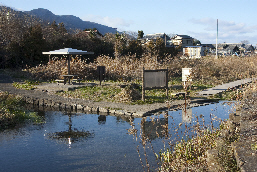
x,y
154,79
186,72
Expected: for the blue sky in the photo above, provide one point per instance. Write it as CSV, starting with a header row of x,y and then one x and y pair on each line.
x,y
196,18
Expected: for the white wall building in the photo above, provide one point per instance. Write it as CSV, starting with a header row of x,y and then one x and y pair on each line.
x,y
193,51
183,40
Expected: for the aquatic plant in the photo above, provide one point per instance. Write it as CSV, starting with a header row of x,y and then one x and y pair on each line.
x,y
187,144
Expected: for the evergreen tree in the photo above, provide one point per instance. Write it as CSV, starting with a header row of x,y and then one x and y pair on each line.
x,y
140,34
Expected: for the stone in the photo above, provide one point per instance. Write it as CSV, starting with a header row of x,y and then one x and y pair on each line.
x,y
80,107
213,165
95,109
103,110
87,108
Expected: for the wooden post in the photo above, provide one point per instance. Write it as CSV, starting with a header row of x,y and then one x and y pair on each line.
x,y
143,85
167,82
68,64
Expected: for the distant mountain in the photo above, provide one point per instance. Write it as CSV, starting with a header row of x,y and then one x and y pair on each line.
x,y
69,21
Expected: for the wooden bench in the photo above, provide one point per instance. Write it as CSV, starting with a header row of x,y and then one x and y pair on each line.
x,y
60,81
178,94
76,80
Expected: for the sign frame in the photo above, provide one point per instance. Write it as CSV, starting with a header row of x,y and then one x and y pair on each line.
x,y
157,86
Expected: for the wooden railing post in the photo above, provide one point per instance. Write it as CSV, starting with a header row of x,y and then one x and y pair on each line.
x,y
143,85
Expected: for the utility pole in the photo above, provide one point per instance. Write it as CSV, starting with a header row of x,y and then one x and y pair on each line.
x,y
217,42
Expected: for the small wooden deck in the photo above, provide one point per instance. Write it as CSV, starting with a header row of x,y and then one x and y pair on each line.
x,y
224,87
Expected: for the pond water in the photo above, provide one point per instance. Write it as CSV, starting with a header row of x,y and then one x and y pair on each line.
x,y
92,142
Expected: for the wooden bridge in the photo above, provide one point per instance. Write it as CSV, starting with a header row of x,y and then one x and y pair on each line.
x,y
224,87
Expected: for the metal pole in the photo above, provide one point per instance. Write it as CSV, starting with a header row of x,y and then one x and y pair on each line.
x,y
217,42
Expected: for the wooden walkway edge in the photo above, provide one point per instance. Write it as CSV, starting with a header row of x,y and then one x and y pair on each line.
x,y
224,87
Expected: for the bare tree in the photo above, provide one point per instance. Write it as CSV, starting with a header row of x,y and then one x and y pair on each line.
x,y
245,42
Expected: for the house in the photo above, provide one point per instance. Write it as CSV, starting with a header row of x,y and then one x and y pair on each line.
x,y
183,40
208,48
193,51
153,37
93,33
231,49
248,48
228,48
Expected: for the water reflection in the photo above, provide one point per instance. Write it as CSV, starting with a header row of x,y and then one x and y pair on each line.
x,y
71,135
132,130
99,142
155,128
101,119
187,115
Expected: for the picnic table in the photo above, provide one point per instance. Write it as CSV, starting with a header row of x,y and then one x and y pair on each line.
x,y
68,78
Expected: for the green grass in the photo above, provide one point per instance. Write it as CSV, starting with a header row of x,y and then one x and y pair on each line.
x,y
230,95
27,85
254,146
12,112
108,93
109,90
95,93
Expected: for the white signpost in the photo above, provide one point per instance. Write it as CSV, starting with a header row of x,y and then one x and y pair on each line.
x,y
186,72
186,75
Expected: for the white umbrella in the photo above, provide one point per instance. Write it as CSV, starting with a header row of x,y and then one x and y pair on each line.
x,y
68,51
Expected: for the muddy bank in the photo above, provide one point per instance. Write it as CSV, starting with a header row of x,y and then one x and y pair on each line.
x,y
242,126
245,120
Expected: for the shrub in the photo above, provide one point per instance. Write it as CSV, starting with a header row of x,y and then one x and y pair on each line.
x,y
12,111
207,70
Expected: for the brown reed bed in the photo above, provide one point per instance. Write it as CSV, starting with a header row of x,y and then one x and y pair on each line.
x,y
207,70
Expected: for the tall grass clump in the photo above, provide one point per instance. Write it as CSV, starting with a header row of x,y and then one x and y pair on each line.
x,y
186,145
58,66
189,155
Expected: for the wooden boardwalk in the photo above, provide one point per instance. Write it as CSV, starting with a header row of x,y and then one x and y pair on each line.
x,y
224,87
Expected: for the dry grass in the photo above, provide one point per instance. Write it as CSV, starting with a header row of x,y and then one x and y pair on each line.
x,y
207,70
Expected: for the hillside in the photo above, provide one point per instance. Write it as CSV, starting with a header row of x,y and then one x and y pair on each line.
x,y
70,21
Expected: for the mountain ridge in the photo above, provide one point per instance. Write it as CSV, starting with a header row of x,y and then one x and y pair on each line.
x,y
69,21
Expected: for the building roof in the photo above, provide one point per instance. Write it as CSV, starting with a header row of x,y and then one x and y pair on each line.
x,y
182,36
249,47
68,51
231,47
155,36
193,46
209,45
